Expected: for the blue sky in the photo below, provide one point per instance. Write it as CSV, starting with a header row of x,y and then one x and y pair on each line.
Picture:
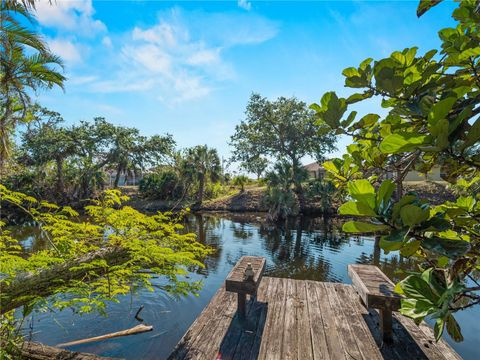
x,y
188,68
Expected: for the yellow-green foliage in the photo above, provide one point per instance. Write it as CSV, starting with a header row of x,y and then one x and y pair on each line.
x,y
153,242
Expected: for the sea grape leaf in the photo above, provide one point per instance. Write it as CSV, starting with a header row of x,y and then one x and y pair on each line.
x,y
356,208
384,192
363,227
412,215
394,240
402,142
446,247
453,328
414,287
362,191
426,5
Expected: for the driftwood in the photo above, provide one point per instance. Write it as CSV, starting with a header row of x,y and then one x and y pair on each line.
x,y
44,283
36,351
132,331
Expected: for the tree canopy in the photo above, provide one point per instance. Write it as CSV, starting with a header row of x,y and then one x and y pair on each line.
x,y
285,130
433,105
26,64
82,152
201,163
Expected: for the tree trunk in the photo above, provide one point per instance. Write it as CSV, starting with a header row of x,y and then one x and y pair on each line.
x,y
376,251
117,177
36,351
60,177
201,188
24,288
399,183
298,189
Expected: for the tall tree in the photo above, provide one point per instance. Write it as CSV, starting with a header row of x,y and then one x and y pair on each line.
x,y
284,129
204,164
131,152
45,140
26,64
256,165
433,119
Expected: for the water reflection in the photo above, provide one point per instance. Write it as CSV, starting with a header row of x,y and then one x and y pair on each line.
x,y
300,249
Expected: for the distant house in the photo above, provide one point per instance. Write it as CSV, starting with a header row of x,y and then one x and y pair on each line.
x,y
315,170
434,174
131,179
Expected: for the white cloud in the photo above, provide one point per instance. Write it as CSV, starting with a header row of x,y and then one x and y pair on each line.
x,y
81,80
205,57
150,57
107,41
66,49
181,57
72,15
244,4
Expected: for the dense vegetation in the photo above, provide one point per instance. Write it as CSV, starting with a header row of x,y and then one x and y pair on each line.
x,y
70,163
92,259
432,101
284,131
432,120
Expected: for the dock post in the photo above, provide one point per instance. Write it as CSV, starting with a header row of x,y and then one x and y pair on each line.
x,y
242,298
386,325
245,279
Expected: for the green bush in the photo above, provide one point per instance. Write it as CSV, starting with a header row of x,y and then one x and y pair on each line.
x,y
324,191
282,203
216,190
240,181
165,185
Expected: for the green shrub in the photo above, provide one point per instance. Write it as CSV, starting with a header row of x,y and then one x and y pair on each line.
x,y
216,190
165,185
282,203
240,181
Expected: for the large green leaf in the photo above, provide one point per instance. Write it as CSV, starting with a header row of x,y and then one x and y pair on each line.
x,y
416,309
453,329
425,5
447,247
410,248
332,168
359,97
366,121
406,199
436,223
356,208
402,142
473,135
384,193
414,287
412,215
363,191
440,110
394,240
332,109
438,328
363,227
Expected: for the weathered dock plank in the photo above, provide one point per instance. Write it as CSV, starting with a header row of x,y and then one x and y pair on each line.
x,y
293,319
305,348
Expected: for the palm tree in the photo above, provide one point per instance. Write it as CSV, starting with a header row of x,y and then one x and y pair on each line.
x,y
26,65
205,164
131,153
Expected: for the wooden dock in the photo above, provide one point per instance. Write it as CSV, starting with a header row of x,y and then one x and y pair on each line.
x,y
293,319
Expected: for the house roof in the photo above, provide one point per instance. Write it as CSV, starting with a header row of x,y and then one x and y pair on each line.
x,y
315,166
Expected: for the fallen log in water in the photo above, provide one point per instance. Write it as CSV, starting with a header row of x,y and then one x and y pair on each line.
x,y
42,284
132,331
37,351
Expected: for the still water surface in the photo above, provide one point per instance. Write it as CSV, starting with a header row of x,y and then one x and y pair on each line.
x,y
305,250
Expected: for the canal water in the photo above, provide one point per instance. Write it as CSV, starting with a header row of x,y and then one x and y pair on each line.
x,y
306,249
